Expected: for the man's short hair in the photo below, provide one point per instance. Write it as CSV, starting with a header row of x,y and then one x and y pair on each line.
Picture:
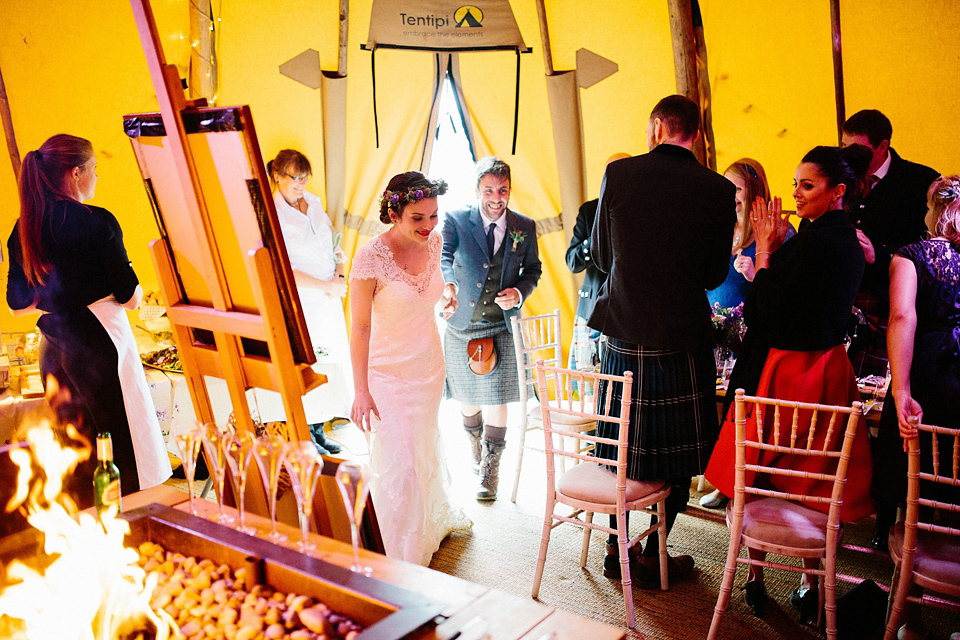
x,y
679,114
870,123
492,165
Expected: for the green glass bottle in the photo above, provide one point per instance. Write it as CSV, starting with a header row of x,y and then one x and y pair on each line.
x,y
106,479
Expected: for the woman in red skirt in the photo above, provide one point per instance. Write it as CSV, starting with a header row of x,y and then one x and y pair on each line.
x,y
796,314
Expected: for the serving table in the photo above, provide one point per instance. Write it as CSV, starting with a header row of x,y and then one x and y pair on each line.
x,y
505,616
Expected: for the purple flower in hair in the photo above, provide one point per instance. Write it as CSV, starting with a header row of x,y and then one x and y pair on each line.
x,y
394,197
418,194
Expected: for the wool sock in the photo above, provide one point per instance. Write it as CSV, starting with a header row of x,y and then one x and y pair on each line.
x,y
473,423
494,434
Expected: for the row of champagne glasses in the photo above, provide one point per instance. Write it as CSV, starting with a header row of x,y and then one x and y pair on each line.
x,y
234,450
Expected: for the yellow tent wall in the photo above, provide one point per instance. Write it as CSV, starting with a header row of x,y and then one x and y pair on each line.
x,y
76,69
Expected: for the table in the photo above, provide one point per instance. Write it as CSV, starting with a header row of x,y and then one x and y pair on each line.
x,y
508,617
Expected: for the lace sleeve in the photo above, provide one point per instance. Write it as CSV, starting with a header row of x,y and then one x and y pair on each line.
x,y
435,247
366,263
912,252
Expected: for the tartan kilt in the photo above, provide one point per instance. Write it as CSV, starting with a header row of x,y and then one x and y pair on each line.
x,y
500,386
673,418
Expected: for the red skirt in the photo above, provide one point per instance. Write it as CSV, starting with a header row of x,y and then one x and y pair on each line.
x,y
823,377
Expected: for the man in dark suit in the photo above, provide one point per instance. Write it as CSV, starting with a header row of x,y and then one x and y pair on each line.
x,y
663,234
584,347
490,261
891,215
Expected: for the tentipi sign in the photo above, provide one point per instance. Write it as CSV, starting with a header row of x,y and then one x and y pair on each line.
x,y
443,25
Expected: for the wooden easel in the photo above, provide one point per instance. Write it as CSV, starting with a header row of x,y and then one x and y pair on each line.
x,y
204,292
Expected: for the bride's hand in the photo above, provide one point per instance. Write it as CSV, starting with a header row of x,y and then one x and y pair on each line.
x,y
363,407
449,301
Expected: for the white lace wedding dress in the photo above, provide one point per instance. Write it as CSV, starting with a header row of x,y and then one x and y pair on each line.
x,y
406,374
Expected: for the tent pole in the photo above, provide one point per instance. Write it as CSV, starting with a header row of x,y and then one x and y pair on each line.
x,y
706,101
203,58
685,58
545,38
837,66
344,23
8,131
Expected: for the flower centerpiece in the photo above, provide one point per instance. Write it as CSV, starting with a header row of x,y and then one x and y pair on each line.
x,y
728,329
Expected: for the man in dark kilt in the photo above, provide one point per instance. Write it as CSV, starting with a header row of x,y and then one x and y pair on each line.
x,y
490,261
663,233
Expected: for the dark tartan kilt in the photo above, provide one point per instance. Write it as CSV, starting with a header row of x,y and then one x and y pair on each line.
x,y
673,418
500,386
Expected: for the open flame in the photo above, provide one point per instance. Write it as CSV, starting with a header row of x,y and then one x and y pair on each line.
x,y
84,583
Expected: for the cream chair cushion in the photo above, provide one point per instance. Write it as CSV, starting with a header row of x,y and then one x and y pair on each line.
x,y
595,483
937,556
783,523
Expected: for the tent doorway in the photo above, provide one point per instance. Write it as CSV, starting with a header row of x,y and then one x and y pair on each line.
x,y
452,157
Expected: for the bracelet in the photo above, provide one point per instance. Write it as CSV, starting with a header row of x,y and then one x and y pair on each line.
x,y
759,252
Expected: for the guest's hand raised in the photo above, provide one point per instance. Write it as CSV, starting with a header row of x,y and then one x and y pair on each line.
x,y
769,224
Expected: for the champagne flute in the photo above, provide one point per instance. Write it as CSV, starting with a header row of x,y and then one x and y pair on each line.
x,y
304,464
238,447
213,442
353,478
268,451
187,438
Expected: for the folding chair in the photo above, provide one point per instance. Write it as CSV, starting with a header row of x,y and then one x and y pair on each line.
x,y
780,522
589,486
536,338
925,545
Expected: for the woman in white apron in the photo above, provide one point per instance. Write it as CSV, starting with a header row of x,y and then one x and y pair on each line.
x,y
316,259
67,260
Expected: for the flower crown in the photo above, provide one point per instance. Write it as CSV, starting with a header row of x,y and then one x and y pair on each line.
x,y
395,200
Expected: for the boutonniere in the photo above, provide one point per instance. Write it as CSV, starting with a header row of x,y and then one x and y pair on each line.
x,y
517,236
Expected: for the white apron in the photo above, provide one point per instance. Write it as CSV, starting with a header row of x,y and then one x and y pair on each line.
x,y
153,464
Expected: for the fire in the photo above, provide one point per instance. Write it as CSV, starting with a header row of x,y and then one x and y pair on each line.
x,y
84,584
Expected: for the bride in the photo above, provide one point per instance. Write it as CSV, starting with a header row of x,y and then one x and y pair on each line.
x,y
398,368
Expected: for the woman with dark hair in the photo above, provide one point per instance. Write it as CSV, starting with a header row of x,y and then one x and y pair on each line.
x,y
67,261
398,368
796,314
317,262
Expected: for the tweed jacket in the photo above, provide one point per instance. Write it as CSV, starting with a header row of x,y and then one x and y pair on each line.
x,y
663,233
465,263
579,259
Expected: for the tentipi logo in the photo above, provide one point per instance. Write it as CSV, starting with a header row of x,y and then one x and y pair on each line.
x,y
468,16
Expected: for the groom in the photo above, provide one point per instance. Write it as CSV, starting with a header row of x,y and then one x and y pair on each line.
x,y
490,261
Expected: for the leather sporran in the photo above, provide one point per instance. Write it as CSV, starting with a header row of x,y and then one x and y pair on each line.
x,y
481,356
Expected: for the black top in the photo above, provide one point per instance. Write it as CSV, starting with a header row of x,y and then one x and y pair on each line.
x,y
579,259
891,216
802,301
663,233
85,245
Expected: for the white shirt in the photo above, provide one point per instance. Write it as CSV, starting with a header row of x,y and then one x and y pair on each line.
x,y
309,238
882,170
